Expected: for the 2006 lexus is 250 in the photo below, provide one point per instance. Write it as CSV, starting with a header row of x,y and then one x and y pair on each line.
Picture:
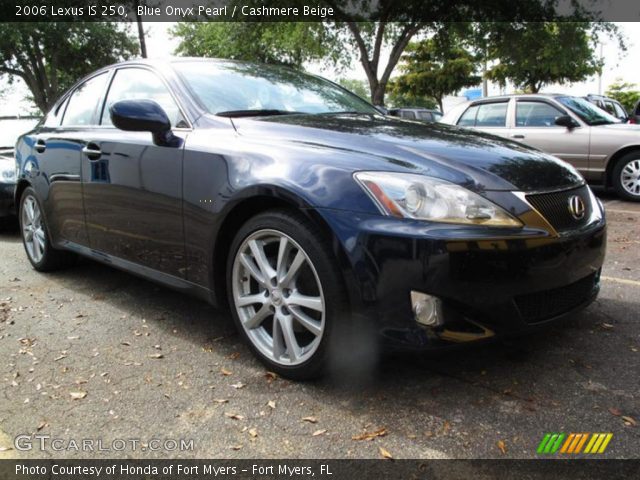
x,y
322,224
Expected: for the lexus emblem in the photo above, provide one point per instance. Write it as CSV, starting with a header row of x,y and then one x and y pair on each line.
x,y
576,207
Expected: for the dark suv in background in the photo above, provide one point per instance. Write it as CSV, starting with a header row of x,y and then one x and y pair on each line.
x,y
609,105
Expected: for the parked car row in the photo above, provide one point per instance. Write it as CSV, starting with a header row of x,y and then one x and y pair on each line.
x,y
603,149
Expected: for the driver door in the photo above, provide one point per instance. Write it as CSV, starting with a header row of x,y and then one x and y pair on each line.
x,y
535,126
132,187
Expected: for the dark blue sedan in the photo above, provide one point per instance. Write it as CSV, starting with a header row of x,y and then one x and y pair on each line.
x,y
329,230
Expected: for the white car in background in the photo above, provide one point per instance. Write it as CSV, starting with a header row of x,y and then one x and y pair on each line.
x,y
10,129
604,150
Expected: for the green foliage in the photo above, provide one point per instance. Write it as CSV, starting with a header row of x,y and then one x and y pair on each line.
x,y
285,43
359,87
434,68
51,56
534,54
625,93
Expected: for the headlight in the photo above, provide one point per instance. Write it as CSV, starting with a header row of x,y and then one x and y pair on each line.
x,y
426,198
7,172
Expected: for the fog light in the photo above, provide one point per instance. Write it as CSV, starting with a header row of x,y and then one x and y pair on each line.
x,y
427,309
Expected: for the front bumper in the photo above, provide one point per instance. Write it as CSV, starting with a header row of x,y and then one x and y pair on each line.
x,y
492,281
6,200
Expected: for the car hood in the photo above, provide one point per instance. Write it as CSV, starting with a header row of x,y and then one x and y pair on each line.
x,y
626,130
478,160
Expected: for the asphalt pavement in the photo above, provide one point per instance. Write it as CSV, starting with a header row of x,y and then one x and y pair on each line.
x,y
92,354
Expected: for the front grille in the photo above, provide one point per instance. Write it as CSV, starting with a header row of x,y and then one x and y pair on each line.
x,y
539,306
554,207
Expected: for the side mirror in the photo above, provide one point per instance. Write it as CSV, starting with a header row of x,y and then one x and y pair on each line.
x,y
566,121
144,116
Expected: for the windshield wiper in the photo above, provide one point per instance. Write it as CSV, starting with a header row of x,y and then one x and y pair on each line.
x,y
255,113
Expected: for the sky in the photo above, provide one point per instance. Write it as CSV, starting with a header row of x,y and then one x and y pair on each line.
x,y
617,65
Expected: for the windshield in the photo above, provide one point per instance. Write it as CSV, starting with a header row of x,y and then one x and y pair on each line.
x,y
246,89
587,111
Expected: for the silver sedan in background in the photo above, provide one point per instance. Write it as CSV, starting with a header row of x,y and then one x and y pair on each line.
x,y
604,150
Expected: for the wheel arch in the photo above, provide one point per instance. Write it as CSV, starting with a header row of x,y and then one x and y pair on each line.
x,y
613,160
17,194
254,202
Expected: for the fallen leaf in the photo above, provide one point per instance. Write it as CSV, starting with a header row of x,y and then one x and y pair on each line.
x,y
41,425
59,358
385,453
78,395
156,355
271,404
126,344
310,419
225,372
5,449
615,411
381,432
235,447
238,385
253,432
233,356
271,376
629,420
234,416
606,326
502,446
318,432
221,400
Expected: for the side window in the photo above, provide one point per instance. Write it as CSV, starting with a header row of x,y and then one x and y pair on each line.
x,y
536,114
84,101
54,117
620,112
468,118
141,84
425,116
492,115
608,106
408,114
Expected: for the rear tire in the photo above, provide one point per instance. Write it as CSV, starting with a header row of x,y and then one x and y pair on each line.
x,y
626,176
35,236
286,293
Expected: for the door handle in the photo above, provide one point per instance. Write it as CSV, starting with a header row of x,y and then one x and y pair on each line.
x,y
92,151
517,136
40,146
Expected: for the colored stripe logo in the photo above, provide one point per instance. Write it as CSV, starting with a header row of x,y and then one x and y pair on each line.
x,y
574,443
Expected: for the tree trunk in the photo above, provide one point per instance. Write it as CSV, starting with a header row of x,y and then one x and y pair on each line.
x,y
377,93
143,43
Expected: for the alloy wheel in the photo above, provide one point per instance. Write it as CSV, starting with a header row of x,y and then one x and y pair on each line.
x,y
630,177
33,229
278,297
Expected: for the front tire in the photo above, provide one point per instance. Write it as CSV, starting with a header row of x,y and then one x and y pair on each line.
x,y
35,236
286,293
626,176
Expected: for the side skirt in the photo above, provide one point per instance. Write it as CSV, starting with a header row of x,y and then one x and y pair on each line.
x,y
147,273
